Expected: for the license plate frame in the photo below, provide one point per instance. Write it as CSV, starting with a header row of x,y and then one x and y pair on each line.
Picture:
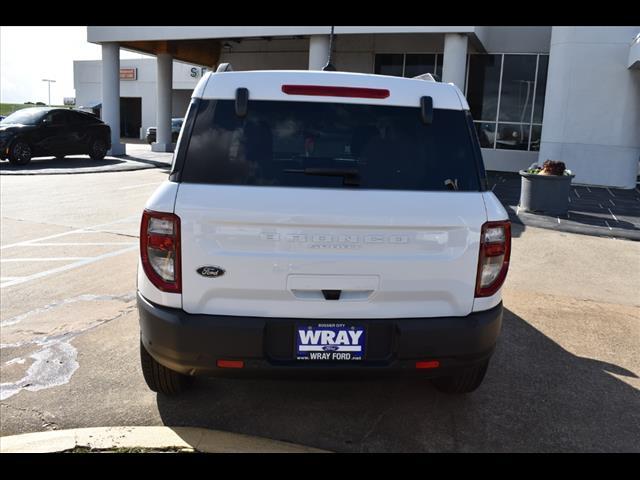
x,y
315,346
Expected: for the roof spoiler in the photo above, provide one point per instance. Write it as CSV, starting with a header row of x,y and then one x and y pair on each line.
x,y
429,77
224,67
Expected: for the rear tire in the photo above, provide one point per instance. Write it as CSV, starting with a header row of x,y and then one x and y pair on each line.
x,y
464,381
98,149
159,378
20,153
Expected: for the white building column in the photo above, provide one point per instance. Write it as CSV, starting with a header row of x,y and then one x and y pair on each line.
x,y
318,51
163,113
591,120
111,94
454,66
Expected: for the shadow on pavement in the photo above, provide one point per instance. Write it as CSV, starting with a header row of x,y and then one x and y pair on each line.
x,y
68,163
536,396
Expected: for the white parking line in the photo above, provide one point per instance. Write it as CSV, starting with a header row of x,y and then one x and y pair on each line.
x,y
58,235
49,259
75,244
6,279
64,268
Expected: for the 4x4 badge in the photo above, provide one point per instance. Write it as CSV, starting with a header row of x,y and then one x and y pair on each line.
x,y
210,271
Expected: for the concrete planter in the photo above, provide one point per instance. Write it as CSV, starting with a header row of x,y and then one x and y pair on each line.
x,y
545,193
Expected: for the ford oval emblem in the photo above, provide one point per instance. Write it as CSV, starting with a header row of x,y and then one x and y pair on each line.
x,y
330,348
210,271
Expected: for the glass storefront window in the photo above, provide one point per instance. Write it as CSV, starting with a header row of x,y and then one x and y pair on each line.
x,y
486,133
508,82
408,64
541,88
536,131
512,136
516,95
417,64
483,83
513,83
389,64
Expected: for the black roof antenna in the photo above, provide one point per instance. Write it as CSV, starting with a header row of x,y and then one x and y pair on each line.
x,y
329,66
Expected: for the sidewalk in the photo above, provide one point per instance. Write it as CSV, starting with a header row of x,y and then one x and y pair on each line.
x,y
153,438
599,211
138,157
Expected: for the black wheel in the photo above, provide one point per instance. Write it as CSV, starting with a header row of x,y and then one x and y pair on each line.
x,y
159,378
465,381
98,149
20,153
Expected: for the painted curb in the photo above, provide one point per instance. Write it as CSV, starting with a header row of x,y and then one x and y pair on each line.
x,y
126,164
198,439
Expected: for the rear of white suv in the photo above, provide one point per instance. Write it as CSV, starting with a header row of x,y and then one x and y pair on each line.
x,y
322,221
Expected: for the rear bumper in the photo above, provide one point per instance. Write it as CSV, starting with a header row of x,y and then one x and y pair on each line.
x,y
191,344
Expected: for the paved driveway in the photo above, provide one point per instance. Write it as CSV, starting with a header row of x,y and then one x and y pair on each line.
x,y
564,376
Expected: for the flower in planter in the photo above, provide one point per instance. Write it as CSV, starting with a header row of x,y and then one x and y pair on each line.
x,y
549,167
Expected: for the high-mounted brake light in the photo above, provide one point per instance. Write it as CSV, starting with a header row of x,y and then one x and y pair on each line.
x,y
493,261
325,91
160,250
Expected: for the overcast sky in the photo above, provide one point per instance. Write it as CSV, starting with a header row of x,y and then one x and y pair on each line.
x,y
29,54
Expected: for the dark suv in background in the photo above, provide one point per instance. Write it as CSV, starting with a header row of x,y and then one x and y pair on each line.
x,y
40,132
176,125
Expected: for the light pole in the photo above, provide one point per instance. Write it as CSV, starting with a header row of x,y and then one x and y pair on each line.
x,y
49,83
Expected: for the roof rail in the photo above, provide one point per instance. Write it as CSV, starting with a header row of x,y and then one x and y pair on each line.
x,y
427,77
224,67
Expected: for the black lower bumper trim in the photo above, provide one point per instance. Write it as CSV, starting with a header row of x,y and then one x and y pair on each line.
x,y
192,343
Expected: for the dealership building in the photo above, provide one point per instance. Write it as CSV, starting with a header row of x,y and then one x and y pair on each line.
x,y
536,93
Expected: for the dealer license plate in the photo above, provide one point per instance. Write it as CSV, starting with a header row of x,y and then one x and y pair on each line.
x,y
330,341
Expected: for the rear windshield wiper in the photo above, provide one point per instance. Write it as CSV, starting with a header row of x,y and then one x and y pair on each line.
x,y
350,175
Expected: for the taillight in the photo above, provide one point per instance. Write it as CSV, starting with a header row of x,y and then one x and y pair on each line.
x,y
160,250
329,91
493,261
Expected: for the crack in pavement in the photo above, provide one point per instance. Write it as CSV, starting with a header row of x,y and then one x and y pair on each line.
x,y
80,298
55,361
46,423
376,422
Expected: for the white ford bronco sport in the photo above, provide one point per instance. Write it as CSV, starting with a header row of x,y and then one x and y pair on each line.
x,y
322,221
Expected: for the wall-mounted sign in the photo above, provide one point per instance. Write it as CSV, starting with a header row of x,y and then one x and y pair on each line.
x,y
197,72
128,74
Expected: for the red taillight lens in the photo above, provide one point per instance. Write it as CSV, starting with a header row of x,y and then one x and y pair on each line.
x,y
325,91
493,261
160,250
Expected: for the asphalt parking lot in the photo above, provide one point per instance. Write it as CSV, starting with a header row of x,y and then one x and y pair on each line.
x,y
564,376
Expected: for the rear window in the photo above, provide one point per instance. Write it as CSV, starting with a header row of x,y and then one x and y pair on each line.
x,y
331,145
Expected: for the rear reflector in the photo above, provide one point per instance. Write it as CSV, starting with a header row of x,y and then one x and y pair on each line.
x,y
324,91
428,364
230,363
